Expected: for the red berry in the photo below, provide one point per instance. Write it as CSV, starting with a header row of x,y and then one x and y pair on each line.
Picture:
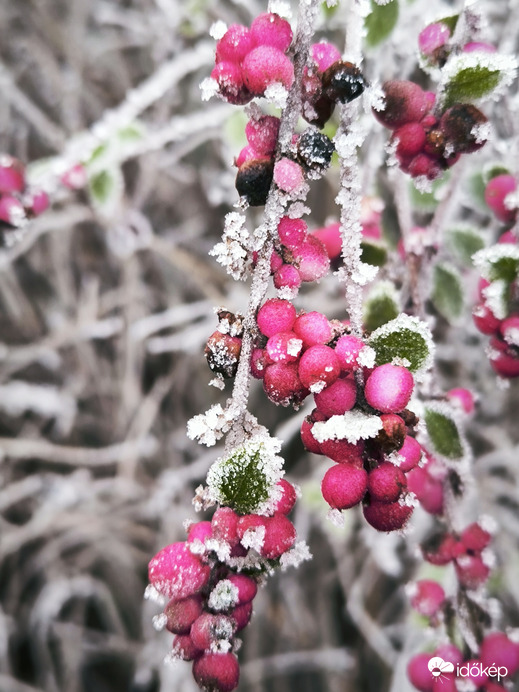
x,y
485,320
312,259
182,613
427,597
280,536
344,486
176,573
386,482
249,521
411,451
498,650
284,347
276,315
318,367
247,587
309,441
200,531
282,384
234,44
471,571
496,192
288,498
266,65
224,524
217,672
292,232
410,140
184,648
337,398
330,237
231,86
313,328
387,516
12,175
419,674
347,349
475,538
405,102
389,388
343,452
242,615
208,629
269,29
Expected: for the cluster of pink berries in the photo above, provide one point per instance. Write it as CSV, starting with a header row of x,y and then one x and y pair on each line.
x,y
18,202
209,597
426,144
433,42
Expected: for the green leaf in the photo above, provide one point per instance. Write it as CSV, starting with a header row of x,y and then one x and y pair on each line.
x,y
404,339
373,254
427,201
450,21
381,306
131,133
465,242
471,84
106,188
380,22
499,262
492,170
447,295
443,433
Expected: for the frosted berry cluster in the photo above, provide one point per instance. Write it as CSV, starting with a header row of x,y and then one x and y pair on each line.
x,y
435,47
18,201
426,143
210,580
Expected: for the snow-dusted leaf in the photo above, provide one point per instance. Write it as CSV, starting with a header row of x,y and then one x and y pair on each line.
x,y
106,189
373,253
405,338
465,242
492,170
381,305
443,432
499,262
447,295
381,21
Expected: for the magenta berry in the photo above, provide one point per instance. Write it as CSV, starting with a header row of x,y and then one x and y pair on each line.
x,y
461,397
410,140
405,102
330,237
434,36
324,55
284,347
12,175
224,524
208,628
262,134
258,363
387,516
419,674
389,388
411,453
182,613
343,452
309,441
318,367
282,383
176,573
11,210
496,192
288,497
475,538
280,536
485,320
287,276
427,488
313,328
498,650
270,29
471,571
288,175
246,154
266,65
234,44
347,350
200,531
241,615
276,315
337,398
249,521
184,649
217,672
386,482
344,486
312,259
230,81
427,597
292,232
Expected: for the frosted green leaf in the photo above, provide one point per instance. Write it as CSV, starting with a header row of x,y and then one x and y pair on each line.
x,y
105,188
499,262
470,77
373,254
447,295
492,170
380,22
443,433
131,133
404,339
449,21
465,242
381,306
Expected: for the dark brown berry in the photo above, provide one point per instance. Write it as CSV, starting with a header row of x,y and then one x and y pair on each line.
x,y
254,179
463,128
343,82
314,150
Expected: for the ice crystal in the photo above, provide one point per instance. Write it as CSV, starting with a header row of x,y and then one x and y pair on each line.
x,y
496,298
366,357
335,517
217,382
210,426
218,30
159,621
233,252
488,75
351,426
254,538
224,596
276,94
280,7
209,88
295,556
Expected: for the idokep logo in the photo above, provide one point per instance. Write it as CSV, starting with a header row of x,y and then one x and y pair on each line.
x,y
439,668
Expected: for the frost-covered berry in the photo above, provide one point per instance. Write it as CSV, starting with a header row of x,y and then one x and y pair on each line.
x,y
208,628
464,127
343,82
410,140
12,175
386,482
387,516
254,179
504,364
266,65
258,363
284,347
184,649
485,320
269,29
434,36
344,486
510,330
461,397
411,453
343,452
405,102
347,350
419,674
37,202
427,597
337,398
288,498
312,259
248,153
423,165
498,650
176,573
441,549
200,530
475,538
288,175
309,441
389,388
283,385
287,276
324,54
471,571
315,150
234,44
75,178
241,615
479,47
11,210
292,232
231,85
262,134
330,237
319,367
496,192
280,536
224,524
247,522
182,613
427,488
313,328
222,352
276,261
276,315
392,434
217,672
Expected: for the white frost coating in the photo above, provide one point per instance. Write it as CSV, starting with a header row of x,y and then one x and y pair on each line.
x,y
159,621
276,94
210,426
511,201
221,548
224,596
254,538
287,293
351,426
298,210
233,252
414,324
280,7
295,556
317,387
217,30
366,357
217,382
335,517
294,346
364,273
209,88
151,594
506,65
495,295
481,132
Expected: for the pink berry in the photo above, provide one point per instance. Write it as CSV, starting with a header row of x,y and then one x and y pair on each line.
x,y
434,36
230,83
343,452
266,65
318,367
479,47
309,441
449,652
444,549
287,276
200,531
461,397
218,672
276,315
262,134
347,350
258,363
312,259
419,674
246,154
288,175
428,490
476,672
485,320
504,364
292,232
471,571
496,192
411,451
393,433
284,347
280,536
410,139
475,538
288,498
249,521
224,524
234,44
510,330
324,55
282,384
344,486
387,516
12,175
313,328
182,613
242,615
506,237
386,482
176,573
337,398
427,597
38,202
423,165
389,388
270,29
11,210
276,261
184,648
208,628
75,178
405,102
330,237
246,586
498,650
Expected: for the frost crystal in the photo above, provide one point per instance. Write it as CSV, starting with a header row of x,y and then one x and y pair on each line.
x,y
364,273
217,30
496,298
351,426
151,594
276,94
335,517
366,357
233,252
159,621
209,88
210,426
224,596
254,538
280,7
504,65
295,556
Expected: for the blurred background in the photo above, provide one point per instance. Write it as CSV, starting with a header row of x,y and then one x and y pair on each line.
x,y
106,302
